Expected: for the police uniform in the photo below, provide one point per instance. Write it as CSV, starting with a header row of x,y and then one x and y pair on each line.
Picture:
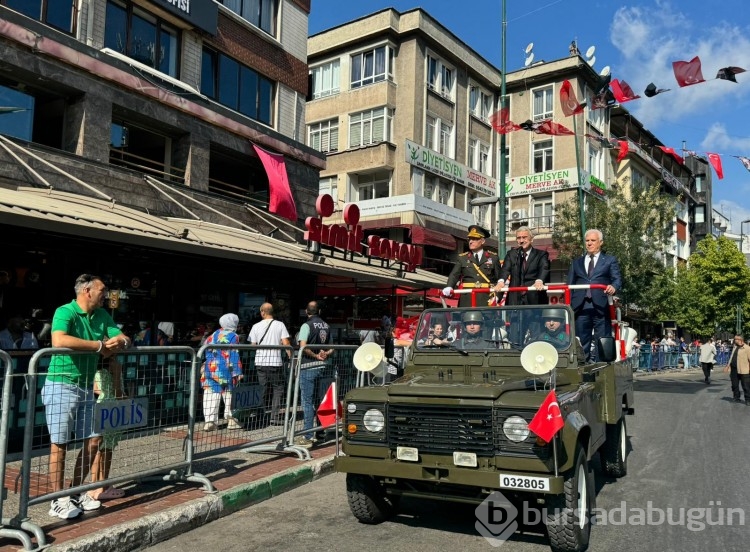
x,y
471,272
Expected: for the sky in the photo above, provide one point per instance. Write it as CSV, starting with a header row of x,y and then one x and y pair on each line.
x,y
638,40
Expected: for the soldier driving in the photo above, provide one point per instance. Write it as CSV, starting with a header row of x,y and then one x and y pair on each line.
x,y
477,268
472,336
554,328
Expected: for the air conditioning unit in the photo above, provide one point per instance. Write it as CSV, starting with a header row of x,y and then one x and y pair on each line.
x,y
518,215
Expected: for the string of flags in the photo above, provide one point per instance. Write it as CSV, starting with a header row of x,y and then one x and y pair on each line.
x,y
611,91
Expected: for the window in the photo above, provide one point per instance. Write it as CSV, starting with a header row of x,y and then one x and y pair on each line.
x,y
372,185
55,13
542,212
543,156
479,155
481,212
324,136
480,103
430,133
370,127
329,185
372,66
438,135
543,103
439,77
325,79
237,87
596,162
261,13
142,149
640,180
437,189
446,139
595,116
142,37
507,159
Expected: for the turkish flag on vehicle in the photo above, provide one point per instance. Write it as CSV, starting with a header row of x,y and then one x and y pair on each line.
x,y
330,408
280,200
687,73
548,419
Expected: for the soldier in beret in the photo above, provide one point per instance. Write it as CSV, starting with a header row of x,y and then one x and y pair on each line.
x,y
477,268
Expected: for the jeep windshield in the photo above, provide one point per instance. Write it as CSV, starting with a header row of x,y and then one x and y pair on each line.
x,y
492,328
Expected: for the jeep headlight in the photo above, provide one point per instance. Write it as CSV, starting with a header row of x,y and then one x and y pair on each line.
x,y
515,428
374,420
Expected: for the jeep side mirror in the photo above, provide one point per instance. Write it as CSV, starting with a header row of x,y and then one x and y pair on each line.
x,y
389,349
607,347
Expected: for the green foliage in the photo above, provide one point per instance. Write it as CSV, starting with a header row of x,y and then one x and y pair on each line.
x,y
637,226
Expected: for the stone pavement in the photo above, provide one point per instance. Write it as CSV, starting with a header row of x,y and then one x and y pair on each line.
x,y
152,512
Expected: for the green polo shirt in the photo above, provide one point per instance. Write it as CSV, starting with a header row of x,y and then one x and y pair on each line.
x,y
79,369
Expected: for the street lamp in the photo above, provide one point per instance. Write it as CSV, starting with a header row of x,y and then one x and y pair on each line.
x,y
500,198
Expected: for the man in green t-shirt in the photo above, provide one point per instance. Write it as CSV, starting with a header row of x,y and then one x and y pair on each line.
x,y
68,392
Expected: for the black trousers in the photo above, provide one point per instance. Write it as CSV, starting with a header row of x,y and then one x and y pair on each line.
x,y
736,379
707,366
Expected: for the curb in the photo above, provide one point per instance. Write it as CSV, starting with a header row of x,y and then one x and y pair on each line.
x,y
154,528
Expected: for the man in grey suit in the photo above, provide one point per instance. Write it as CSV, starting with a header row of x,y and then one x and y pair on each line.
x,y
591,305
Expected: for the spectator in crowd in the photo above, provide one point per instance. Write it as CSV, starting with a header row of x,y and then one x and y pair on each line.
x,y
739,369
591,305
107,388
684,352
526,266
315,331
436,337
18,335
220,373
370,336
477,268
164,333
707,359
268,362
143,337
68,392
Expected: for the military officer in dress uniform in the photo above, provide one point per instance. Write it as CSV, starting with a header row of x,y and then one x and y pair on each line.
x,y
477,268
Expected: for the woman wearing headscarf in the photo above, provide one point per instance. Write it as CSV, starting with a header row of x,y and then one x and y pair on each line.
x,y
220,373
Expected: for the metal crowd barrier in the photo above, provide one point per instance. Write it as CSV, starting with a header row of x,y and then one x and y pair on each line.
x,y
650,360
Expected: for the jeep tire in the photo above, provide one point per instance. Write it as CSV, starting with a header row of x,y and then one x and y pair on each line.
x,y
569,515
368,500
613,453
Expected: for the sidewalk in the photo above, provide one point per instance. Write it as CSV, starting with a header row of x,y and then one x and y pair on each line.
x,y
154,511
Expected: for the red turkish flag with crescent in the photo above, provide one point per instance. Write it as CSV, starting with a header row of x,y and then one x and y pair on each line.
x,y
548,419
281,201
687,73
500,121
716,164
330,408
568,100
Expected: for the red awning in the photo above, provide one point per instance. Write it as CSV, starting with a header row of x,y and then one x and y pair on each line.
x,y
425,236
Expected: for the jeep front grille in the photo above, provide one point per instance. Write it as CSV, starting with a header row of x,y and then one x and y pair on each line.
x,y
441,429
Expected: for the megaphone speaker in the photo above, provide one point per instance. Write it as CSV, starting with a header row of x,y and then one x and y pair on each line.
x,y
368,357
539,357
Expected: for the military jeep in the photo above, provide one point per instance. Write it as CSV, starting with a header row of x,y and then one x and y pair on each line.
x,y
454,427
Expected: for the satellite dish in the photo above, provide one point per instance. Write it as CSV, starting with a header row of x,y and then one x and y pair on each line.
x,y
591,61
590,52
529,48
605,71
539,358
529,60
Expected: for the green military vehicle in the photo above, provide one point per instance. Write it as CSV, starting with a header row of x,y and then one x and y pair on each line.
x,y
455,426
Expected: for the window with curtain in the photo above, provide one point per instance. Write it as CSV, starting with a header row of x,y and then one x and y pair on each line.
x,y
543,156
543,103
480,103
324,136
371,66
372,185
440,77
430,133
542,212
369,127
446,139
326,79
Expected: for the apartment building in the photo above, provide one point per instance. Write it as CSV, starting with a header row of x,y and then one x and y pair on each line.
x,y
131,136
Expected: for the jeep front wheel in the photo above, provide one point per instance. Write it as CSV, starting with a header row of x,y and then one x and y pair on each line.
x,y
569,515
613,453
368,500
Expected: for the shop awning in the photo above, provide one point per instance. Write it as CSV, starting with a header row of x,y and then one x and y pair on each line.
x,y
93,218
426,236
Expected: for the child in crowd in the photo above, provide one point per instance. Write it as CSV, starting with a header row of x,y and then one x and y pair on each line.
x,y
108,386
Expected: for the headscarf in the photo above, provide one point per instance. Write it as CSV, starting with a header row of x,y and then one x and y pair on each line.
x,y
229,321
167,328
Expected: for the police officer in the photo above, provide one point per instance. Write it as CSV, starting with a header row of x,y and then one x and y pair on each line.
x,y
472,336
477,268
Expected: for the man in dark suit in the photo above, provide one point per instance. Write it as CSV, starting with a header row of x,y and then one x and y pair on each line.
x,y
527,266
591,305
477,268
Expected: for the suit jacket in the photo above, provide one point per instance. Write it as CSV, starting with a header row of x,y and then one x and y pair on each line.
x,y
465,273
606,271
537,268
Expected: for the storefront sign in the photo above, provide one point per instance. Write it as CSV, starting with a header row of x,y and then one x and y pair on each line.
x,y
436,163
349,236
202,14
547,181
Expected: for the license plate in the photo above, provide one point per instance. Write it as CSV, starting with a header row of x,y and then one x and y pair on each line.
x,y
524,482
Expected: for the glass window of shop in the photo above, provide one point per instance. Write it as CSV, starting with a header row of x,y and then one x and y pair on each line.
x,y
55,13
261,13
